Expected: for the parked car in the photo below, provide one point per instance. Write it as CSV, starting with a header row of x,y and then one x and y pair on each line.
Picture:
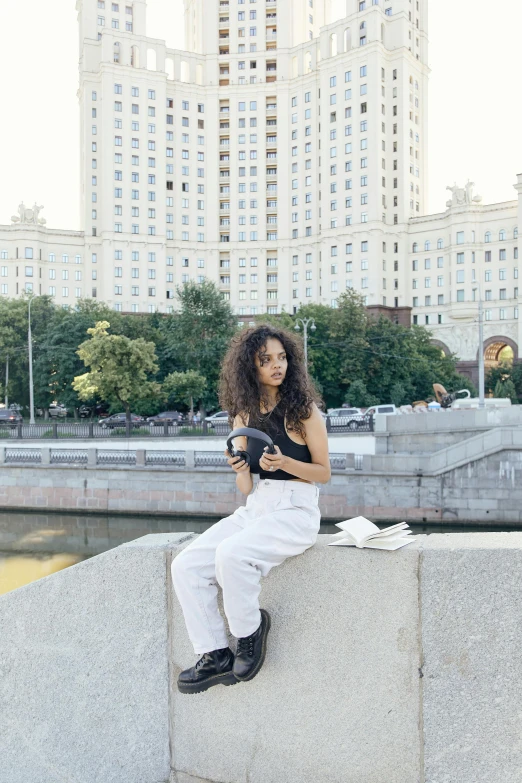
x,y
57,411
10,417
346,417
119,420
220,419
101,410
168,417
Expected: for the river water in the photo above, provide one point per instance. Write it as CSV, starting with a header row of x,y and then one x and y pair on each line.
x,y
34,545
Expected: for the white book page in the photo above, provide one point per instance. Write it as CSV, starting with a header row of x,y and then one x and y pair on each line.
x,y
358,527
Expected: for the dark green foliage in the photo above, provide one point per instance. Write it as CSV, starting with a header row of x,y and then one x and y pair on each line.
x,y
352,357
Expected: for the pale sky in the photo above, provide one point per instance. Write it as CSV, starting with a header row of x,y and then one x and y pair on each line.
x,y
474,105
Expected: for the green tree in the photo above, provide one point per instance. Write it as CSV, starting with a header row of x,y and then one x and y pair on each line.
x,y
120,368
358,395
197,336
506,389
13,337
348,336
184,388
58,363
398,394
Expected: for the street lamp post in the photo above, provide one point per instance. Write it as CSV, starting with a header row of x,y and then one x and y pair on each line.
x,y
305,322
29,339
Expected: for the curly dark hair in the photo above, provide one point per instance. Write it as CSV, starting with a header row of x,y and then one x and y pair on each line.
x,y
240,391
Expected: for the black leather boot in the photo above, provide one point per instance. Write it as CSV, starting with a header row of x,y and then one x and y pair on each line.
x,y
213,668
251,650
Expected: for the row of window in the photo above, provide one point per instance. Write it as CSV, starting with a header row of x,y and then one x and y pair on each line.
x,y
115,24
29,254
115,7
488,237
460,278
29,272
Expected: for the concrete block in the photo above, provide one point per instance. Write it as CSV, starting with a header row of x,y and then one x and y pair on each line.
x,y
310,714
84,685
471,603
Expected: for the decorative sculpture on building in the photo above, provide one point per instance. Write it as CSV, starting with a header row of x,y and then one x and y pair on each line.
x,y
462,196
26,215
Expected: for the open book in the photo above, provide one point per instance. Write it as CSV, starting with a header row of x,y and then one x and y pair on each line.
x,y
360,532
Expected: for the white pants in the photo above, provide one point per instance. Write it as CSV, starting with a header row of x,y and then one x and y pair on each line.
x,y
280,519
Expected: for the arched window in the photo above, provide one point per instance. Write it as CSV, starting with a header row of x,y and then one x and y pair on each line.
x,y
515,232
362,26
52,257
502,234
116,55
199,74
487,236
333,45
185,72
308,62
294,67
347,39
440,244
169,68
427,245
415,247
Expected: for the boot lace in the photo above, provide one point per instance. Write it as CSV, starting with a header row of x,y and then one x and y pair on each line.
x,y
245,645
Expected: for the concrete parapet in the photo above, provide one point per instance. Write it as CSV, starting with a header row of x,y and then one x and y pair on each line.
x,y
382,667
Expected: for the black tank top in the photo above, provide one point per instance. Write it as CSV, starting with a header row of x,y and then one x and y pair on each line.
x,y
274,427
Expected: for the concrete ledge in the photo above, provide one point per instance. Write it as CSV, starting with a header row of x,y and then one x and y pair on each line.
x,y
382,667
84,671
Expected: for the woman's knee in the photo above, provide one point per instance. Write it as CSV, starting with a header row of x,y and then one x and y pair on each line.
x,y
226,551
182,565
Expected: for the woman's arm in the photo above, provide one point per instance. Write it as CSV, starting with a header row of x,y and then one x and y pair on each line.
x,y
316,439
244,481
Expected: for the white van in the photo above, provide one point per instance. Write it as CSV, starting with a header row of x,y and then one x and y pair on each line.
x,y
387,410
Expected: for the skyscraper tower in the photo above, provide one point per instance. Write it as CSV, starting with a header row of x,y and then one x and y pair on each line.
x,y
280,155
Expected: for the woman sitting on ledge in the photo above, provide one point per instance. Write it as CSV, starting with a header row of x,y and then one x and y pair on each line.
x,y
265,385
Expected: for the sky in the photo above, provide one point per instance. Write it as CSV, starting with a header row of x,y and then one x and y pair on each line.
x,y
473,122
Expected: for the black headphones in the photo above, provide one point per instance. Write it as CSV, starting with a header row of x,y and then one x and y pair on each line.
x,y
250,433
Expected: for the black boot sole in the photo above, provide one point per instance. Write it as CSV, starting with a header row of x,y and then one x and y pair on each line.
x,y
227,678
260,662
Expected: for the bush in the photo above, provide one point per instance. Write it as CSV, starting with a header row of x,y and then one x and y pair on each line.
x,y
192,431
140,432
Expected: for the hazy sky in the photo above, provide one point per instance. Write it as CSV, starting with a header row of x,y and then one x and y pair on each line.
x,y
474,107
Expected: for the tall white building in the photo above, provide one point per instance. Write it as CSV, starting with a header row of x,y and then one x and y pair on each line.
x,y
281,155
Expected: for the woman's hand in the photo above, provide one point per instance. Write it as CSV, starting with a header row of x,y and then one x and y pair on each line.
x,y
272,462
236,463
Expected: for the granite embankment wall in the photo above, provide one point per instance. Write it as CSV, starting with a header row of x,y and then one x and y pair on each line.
x,y
478,480
382,667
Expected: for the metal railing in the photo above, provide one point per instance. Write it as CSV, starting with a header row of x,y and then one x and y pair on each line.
x,y
54,430
140,458
74,430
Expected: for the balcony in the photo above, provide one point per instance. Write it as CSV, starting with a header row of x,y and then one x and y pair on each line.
x,y
271,108
225,174
224,109
224,143
224,206
225,51
271,36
